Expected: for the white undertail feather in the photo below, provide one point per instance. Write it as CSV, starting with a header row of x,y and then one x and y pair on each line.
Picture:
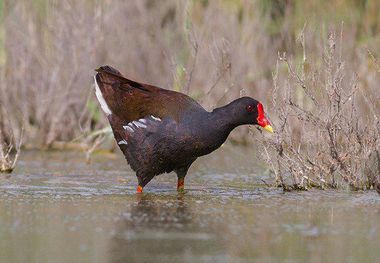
x,y
101,100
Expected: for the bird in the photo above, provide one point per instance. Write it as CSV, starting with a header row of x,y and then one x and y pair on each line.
x,y
160,130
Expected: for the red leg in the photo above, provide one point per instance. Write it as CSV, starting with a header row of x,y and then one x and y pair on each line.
x,y
181,184
139,189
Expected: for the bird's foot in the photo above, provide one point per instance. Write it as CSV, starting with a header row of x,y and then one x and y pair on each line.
x,y
139,189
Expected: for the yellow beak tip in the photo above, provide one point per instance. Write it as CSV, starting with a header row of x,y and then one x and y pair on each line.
x,y
268,128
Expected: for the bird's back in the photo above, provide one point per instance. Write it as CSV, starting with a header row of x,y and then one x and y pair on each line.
x,y
131,100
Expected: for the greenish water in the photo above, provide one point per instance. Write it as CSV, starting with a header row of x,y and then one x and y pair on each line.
x,y
55,208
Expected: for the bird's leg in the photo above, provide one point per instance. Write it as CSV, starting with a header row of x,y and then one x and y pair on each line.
x,y
139,189
181,173
181,184
142,179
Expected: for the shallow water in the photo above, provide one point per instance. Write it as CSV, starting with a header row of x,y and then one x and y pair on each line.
x,y
55,208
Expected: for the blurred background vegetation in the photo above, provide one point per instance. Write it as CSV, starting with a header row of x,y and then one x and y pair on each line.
x,y
213,50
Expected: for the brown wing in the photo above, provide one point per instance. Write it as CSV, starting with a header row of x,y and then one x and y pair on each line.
x,y
130,100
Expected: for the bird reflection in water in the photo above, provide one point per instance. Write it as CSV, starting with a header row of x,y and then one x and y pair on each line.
x,y
165,212
155,225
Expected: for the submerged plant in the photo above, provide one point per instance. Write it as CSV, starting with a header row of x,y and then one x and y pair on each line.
x,y
327,131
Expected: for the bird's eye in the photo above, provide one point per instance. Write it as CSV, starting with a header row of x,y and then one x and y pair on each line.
x,y
249,108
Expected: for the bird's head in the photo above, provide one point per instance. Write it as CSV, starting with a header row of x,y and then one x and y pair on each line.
x,y
247,110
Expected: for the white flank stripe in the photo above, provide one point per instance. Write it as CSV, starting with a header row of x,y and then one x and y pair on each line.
x,y
139,124
155,118
101,100
122,142
128,128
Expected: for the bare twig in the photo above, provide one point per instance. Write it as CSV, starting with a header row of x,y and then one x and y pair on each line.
x,y
194,43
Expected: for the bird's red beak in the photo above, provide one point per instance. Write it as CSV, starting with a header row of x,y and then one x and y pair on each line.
x,y
261,120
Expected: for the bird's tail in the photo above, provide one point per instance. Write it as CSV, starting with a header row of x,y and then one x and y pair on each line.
x,y
111,87
105,78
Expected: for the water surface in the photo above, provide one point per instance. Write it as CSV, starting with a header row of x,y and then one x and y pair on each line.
x,y
55,208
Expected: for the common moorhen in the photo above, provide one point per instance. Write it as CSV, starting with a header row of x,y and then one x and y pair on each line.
x,y
160,130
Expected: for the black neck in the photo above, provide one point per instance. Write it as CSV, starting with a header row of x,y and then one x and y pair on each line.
x,y
225,118
213,130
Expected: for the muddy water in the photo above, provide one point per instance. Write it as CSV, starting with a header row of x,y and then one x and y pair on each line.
x,y
55,208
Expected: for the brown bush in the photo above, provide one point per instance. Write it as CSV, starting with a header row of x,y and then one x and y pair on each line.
x,y
327,123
